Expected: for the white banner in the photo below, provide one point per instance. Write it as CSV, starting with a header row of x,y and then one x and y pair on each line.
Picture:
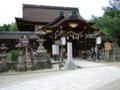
x,y
98,40
63,39
55,49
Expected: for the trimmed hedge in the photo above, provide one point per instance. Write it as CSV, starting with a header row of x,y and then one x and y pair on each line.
x,y
14,55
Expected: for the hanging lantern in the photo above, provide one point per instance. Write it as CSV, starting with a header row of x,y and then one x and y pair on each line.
x,y
73,24
77,37
73,37
70,35
81,36
67,37
86,36
85,27
48,31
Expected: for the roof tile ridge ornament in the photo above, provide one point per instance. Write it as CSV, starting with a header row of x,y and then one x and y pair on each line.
x,y
61,13
74,14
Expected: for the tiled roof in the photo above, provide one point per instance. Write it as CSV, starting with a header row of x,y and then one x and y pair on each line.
x,y
16,35
42,13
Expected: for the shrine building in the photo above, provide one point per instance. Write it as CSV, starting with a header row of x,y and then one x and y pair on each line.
x,y
56,22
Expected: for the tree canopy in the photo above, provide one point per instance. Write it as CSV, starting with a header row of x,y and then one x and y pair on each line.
x,y
8,27
109,23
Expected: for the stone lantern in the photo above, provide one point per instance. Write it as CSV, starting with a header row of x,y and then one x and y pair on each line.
x,y
21,64
42,58
40,40
3,55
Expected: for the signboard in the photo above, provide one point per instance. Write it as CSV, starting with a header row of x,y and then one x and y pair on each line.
x,y
107,45
55,49
25,41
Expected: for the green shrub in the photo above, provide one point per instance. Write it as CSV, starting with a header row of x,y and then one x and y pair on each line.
x,y
14,55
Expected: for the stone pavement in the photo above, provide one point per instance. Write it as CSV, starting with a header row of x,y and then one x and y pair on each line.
x,y
94,76
114,85
88,64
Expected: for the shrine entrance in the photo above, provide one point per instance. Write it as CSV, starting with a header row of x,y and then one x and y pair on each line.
x,y
74,29
81,46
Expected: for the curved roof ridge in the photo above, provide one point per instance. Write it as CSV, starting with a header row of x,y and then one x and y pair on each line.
x,y
49,7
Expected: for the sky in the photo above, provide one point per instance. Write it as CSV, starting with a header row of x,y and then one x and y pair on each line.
x,y
9,9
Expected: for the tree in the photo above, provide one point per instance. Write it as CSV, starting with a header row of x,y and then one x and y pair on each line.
x,y
109,23
14,55
115,4
13,27
8,27
1,28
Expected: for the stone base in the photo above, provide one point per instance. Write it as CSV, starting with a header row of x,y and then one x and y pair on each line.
x,y
70,65
41,51
42,60
20,67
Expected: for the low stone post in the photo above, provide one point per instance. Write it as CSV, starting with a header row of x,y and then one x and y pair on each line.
x,y
69,65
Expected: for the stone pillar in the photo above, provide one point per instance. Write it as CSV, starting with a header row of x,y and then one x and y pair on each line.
x,y
20,57
69,65
42,58
26,57
69,51
21,64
